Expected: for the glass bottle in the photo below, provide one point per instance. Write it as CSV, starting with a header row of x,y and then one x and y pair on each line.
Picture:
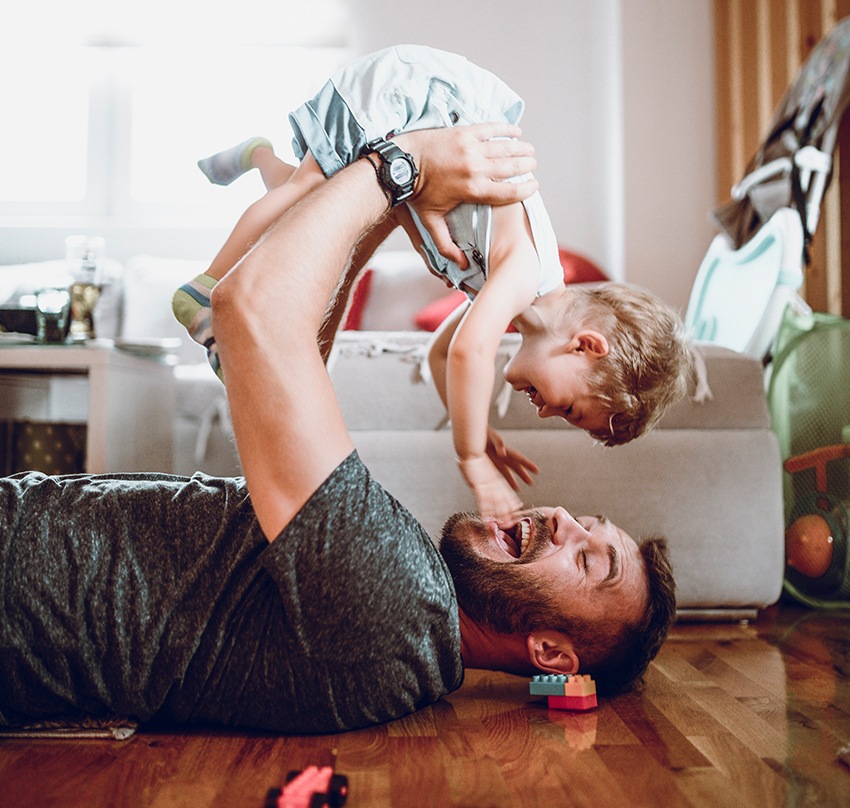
x,y
85,292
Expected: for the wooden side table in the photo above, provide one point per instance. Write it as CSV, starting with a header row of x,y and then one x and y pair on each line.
x,y
126,401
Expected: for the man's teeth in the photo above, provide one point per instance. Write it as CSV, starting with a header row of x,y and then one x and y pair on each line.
x,y
523,533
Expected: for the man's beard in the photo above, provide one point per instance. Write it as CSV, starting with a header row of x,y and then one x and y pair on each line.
x,y
502,596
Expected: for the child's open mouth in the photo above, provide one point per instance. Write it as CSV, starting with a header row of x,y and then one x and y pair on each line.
x,y
534,397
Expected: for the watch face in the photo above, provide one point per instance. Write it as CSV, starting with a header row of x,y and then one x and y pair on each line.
x,y
401,171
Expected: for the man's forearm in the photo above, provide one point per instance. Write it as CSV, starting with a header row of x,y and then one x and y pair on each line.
x,y
267,311
338,306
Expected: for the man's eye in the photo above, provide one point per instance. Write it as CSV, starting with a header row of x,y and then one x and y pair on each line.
x,y
584,560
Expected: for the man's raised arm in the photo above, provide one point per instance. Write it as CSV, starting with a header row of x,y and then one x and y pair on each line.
x,y
268,310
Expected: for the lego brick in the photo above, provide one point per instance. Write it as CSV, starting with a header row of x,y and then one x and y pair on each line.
x,y
562,685
548,685
580,685
572,702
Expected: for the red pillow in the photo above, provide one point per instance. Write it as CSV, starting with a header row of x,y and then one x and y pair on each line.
x,y
357,301
577,269
429,317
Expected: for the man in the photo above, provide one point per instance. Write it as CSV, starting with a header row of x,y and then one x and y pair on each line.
x,y
318,604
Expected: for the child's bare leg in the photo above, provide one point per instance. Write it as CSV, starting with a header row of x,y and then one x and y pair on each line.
x,y
273,170
191,302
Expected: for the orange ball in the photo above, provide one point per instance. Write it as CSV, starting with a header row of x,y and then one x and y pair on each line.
x,y
809,545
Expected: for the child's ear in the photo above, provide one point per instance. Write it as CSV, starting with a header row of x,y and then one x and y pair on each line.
x,y
589,342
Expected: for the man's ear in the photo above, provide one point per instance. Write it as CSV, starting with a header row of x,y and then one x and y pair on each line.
x,y
590,342
552,652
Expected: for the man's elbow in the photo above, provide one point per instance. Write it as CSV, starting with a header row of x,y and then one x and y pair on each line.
x,y
220,296
224,302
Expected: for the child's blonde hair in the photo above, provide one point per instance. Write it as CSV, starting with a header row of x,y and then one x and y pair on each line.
x,y
649,362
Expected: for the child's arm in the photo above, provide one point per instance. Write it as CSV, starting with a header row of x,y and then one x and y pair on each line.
x,y
470,374
509,462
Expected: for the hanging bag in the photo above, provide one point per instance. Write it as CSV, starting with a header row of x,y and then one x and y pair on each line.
x,y
809,400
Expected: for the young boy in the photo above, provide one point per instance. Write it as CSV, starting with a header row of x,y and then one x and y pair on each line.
x,y
609,360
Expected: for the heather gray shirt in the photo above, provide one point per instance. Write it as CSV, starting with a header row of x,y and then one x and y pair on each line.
x,y
158,597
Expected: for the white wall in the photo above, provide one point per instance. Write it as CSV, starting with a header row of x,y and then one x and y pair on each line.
x,y
669,164
619,105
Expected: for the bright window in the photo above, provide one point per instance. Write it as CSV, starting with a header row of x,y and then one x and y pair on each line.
x,y
106,108
43,140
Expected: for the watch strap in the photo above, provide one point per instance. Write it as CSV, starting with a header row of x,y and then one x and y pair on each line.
x,y
380,180
389,152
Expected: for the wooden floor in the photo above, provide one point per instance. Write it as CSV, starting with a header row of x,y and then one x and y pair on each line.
x,y
739,715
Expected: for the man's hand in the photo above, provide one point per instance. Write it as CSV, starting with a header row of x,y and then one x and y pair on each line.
x,y
466,164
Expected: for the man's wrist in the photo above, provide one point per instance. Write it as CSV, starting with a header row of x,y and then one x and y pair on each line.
x,y
395,169
377,167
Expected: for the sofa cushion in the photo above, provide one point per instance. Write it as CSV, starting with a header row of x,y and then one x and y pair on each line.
x,y
399,286
357,302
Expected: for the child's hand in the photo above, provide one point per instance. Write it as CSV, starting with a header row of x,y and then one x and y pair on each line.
x,y
493,496
508,461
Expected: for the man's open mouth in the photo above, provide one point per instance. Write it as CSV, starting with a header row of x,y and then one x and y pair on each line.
x,y
515,539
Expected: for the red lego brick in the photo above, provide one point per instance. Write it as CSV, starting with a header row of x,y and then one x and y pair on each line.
x,y
587,702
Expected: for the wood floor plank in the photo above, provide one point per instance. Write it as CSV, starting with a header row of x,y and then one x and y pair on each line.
x,y
708,788
642,777
741,723
578,730
755,783
656,731
757,660
715,665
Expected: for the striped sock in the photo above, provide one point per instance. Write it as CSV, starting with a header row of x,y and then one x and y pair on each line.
x,y
191,306
225,166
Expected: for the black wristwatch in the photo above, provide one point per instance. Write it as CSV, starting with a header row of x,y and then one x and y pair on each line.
x,y
397,172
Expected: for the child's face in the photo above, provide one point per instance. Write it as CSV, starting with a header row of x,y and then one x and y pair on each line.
x,y
553,376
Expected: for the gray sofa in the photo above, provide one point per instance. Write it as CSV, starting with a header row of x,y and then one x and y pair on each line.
x,y
707,478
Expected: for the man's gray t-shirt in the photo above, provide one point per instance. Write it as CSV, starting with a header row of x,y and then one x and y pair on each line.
x,y
158,597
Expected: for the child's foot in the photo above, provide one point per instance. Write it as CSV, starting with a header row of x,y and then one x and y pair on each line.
x,y
227,165
191,306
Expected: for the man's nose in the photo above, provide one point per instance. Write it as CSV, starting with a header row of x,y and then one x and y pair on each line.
x,y
565,529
